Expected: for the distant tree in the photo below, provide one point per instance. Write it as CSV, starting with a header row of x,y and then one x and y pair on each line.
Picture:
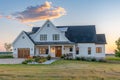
x,y
8,47
117,51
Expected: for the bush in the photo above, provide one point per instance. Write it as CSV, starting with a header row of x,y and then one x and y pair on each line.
x,y
37,58
83,58
63,56
93,59
48,57
77,58
25,62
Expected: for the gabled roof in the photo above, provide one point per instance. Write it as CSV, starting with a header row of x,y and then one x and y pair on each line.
x,y
81,34
35,29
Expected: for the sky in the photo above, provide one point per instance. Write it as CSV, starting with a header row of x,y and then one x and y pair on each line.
x,y
19,15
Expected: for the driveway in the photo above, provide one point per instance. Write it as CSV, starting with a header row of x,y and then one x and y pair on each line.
x,y
11,61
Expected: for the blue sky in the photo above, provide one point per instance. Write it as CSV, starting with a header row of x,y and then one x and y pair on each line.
x,y
105,14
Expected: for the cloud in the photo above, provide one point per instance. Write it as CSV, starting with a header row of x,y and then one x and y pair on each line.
x,y
1,16
40,12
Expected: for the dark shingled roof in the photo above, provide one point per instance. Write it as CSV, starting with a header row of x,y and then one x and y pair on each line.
x,y
81,34
101,39
35,29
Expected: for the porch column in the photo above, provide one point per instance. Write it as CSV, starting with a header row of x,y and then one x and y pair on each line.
x,y
49,49
62,49
74,51
37,51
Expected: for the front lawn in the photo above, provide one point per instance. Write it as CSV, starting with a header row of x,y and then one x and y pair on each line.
x,y
61,70
113,58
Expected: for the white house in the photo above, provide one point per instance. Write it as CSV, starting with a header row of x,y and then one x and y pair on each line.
x,y
81,41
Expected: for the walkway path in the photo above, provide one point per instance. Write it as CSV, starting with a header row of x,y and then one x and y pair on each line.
x,y
11,61
49,61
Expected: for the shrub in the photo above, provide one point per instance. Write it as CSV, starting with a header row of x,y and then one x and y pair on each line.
x,y
48,57
88,59
93,59
24,62
83,58
42,60
27,61
63,56
77,58
37,59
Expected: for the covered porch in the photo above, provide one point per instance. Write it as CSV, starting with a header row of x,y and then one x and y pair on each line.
x,y
55,50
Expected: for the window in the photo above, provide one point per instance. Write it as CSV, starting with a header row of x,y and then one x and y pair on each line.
x,y
98,50
43,37
89,50
44,50
77,50
56,36
71,49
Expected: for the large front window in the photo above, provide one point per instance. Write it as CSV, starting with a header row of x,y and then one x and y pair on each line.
x,y
43,37
43,50
56,36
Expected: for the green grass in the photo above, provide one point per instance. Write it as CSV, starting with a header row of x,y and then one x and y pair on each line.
x,y
62,70
113,58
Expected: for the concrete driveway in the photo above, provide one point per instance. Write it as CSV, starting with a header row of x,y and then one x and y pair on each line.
x,y
11,61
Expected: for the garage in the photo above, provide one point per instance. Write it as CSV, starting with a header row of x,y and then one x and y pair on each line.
x,y
23,52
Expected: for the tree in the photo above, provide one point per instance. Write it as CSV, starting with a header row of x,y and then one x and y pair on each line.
x,y
117,51
8,47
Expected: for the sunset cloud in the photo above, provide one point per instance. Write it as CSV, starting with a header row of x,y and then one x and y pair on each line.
x,y
40,12
1,16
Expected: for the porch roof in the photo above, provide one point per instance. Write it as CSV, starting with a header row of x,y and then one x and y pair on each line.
x,y
53,43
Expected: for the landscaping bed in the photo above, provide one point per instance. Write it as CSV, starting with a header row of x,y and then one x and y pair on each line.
x,y
36,59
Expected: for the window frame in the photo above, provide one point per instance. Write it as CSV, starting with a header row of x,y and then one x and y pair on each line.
x,y
89,50
98,49
56,37
43,37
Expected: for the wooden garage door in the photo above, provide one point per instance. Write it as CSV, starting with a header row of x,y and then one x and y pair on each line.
x,y
23,52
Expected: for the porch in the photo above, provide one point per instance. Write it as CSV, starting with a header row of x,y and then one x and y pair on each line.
x,y
54,50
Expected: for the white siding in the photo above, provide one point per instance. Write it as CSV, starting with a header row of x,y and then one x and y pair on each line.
x,y
103,50
83,49
23,43
49,31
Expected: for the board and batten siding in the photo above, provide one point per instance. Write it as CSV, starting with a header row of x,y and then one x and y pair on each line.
x,y
49,30
23,42
83,50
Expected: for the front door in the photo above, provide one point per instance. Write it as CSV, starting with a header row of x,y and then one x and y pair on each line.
x,y
58,51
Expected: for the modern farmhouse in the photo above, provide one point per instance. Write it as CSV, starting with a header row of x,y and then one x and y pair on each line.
x,y
81,41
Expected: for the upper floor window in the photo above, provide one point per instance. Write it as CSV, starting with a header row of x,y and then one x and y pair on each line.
x,y
89,50
43,37
56,37
98,50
